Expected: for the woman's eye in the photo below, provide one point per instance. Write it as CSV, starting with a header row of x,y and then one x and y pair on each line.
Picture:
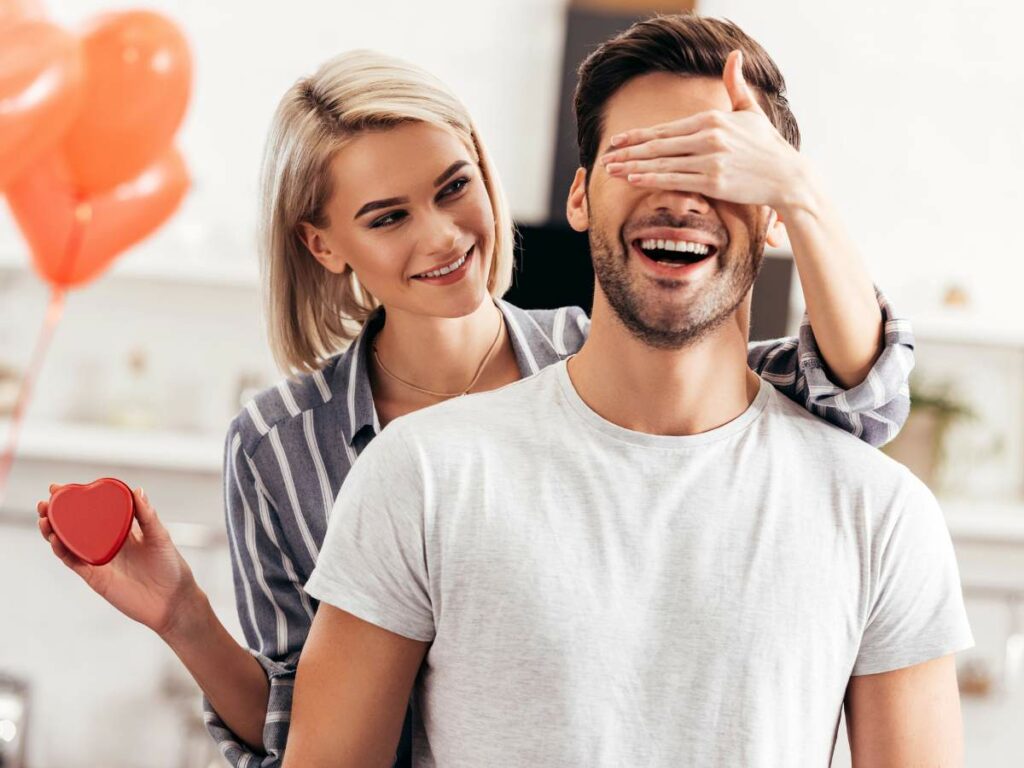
x,y
455,187
387,219
392,218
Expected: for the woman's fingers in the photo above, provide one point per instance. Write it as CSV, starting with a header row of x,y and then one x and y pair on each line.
x,y
711,119
144,511
58,548
677,182
80,567
42,508
741,94
676,145
690,164
146,519
45,529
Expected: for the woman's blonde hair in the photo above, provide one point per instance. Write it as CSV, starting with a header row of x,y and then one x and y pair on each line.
x,y
313,313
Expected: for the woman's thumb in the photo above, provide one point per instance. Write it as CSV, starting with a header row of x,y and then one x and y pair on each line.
x,y
144,511
740,94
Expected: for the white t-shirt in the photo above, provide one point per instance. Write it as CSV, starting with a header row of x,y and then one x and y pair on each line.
x,y
596,596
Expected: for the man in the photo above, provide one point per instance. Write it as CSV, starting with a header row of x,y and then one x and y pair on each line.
x,y
643,556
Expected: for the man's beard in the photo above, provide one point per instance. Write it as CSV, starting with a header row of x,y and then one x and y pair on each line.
x,y
658,320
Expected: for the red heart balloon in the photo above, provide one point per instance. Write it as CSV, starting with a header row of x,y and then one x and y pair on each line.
x,y
41,77
18,10
75,238
138,76
93,520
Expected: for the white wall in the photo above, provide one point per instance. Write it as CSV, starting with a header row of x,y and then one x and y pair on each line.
x,y
911,111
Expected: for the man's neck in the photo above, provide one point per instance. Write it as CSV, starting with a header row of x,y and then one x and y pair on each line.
x,y
664,391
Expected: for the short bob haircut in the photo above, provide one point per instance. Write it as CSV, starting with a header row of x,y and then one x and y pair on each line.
x,y
312,313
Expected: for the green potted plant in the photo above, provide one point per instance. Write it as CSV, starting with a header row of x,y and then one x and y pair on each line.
x,y
921,445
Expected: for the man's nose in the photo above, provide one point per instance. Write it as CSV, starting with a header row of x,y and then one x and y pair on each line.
x,y
677,202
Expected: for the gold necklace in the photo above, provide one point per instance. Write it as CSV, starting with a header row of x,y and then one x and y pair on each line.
x,y
476,377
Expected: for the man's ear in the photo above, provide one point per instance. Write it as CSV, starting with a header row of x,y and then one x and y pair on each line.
x,y
316,242
577,211
776,234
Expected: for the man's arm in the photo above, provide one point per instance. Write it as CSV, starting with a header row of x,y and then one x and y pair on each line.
x,y
351,692
907,717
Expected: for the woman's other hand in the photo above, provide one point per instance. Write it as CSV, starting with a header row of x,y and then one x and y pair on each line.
x,y
148,580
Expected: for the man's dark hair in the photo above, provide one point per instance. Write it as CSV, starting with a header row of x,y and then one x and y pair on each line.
x,y
682,44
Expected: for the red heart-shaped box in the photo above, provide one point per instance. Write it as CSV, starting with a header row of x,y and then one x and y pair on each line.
x,y
93,520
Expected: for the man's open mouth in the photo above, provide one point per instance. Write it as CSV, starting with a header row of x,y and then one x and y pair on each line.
x,y
675,252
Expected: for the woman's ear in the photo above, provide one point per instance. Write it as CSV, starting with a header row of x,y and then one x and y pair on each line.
x,y
577,210
776,234
316,242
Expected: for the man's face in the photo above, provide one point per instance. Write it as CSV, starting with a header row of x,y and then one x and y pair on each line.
x,y
667,299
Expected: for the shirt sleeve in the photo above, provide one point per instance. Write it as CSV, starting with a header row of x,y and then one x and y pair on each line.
x,y
274,611
915,601
373,563
874,410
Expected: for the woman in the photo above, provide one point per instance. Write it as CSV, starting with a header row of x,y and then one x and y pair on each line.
x,y
384,225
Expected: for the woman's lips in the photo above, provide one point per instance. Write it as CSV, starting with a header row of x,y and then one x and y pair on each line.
x,y
451,277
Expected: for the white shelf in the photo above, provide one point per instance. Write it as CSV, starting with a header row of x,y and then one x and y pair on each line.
x,y
109,446
985,521
953,327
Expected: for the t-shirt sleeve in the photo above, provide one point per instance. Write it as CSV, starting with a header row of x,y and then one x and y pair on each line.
x,y
916,608
373,560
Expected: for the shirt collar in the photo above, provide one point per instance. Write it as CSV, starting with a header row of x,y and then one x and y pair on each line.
x,y
352,375
352,378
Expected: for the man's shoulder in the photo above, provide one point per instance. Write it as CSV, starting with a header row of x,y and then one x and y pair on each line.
x,y
830,451
860,487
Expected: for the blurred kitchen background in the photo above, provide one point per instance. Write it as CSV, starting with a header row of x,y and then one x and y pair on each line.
x,y
911,112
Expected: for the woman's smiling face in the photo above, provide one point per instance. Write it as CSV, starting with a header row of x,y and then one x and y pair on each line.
x,y
410,215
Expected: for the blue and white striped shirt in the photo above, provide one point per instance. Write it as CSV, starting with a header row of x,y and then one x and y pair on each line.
x,y
289,450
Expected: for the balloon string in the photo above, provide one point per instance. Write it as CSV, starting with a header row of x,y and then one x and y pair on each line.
x,y
53,315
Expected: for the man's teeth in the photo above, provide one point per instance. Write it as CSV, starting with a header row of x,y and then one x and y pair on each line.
x,y
680,246
445,270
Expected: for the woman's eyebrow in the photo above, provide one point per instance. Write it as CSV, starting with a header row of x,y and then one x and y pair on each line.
x,y
449,171
378,204
390,201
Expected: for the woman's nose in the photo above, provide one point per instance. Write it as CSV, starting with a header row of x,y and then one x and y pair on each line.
x,y
440,236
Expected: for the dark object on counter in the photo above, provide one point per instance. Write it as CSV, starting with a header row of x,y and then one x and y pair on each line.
x,y
588,23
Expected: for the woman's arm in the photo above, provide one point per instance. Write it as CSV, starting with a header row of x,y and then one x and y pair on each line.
x,y
273,609
838,292
233,682
150,582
